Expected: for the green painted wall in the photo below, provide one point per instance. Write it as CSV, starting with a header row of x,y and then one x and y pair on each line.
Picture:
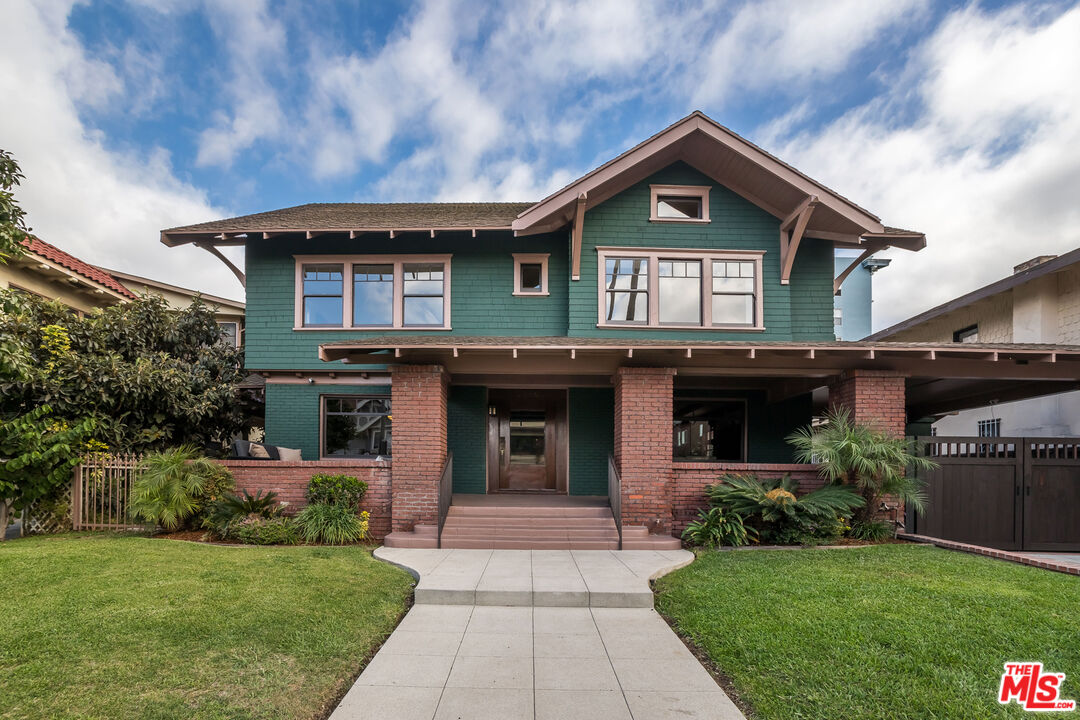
x,y
466,437
591,413
292,413
799,311
482,284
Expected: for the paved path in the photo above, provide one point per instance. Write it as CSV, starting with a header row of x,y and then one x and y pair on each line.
x,y
463,661
1071,559
568,578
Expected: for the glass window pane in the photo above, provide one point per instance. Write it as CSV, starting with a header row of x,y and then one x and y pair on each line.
x,y
532,279
733,309
673,206
527,438
627,307
373,295
423,311
733,285
322,311
357,427
627,273
746,270
708,429
680,295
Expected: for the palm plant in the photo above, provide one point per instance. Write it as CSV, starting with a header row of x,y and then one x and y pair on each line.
x,y
170,484
717,527
230,509
859,456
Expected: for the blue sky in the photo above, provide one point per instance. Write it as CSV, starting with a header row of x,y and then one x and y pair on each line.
x,y
961,120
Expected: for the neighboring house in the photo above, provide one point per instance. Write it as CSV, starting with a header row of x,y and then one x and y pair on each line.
x,y
229,313
853,304
663,319
47,271
1038,303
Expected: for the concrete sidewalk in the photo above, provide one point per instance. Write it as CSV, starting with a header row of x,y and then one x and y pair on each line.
x,y
558,663
534,634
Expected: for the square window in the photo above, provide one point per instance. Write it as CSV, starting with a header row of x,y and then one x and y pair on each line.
x,y
532,277
530,273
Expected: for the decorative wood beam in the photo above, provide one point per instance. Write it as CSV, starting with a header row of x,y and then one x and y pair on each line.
x,y
791,234
432,233
847,271
228,263
576,238
393,234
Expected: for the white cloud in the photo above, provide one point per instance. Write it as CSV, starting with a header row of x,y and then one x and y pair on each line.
x,y
989,168
103,206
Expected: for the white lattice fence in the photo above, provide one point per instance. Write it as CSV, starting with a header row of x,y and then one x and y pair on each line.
x,y
51,515
101,492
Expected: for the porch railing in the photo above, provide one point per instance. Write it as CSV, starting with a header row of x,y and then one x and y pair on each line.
x,y
614,493
446,491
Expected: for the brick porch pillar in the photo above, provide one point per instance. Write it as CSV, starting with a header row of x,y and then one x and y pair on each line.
x,y
873,397
418,405
643,398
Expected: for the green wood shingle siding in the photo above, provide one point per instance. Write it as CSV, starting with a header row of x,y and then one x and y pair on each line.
x,y
292,413
482,285
591,413
466,437
792,312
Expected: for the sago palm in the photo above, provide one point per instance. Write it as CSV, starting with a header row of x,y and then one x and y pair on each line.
x,y
169,485
854,454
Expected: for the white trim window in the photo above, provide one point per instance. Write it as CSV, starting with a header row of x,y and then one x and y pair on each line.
x,y
680,289
230,333
679,203
531,274
373,292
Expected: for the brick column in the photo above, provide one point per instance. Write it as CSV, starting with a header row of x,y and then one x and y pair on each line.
x,y
418,405
873,397
643,428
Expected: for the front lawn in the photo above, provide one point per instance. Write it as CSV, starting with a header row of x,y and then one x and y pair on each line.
x,y
102,626
888,631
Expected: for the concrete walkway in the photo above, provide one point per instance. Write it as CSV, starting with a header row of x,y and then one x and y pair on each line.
x,y
527,578
534,662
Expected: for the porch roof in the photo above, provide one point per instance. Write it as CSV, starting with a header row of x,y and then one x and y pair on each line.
x,y
941,377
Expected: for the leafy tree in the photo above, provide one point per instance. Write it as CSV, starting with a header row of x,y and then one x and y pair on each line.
x,y
873,462
150,376
13,228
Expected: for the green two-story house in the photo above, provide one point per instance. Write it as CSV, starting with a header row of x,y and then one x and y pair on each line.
x,y
618,344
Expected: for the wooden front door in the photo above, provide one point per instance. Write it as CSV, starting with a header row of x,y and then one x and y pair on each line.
x,y
526,440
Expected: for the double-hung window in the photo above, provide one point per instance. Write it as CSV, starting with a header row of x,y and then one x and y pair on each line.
x,y
373,292
669,288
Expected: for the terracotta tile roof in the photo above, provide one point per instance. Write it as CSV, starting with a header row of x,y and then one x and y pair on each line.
x,y
54,254
356,216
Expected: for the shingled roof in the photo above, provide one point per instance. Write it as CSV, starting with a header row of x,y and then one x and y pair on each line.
x,y
358,216
39,247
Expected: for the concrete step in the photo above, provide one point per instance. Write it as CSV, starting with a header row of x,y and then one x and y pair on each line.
x,y
422,536
485,521
527,544
567,511
552,537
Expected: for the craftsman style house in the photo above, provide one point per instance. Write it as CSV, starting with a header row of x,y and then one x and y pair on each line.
x,y
618,344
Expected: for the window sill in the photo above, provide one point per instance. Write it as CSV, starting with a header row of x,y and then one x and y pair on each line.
x,y
720,328
682,221
379,328
531,294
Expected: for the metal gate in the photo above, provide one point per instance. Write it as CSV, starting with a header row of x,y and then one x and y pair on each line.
x,y
1004,492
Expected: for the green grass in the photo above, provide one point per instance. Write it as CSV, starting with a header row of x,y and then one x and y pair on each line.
x,y
102,626
888,631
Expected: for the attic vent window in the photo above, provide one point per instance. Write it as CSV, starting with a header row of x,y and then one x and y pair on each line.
x,y
679,203
531,274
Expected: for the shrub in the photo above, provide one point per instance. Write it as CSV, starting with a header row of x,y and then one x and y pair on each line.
x,y
772,508
171,484
219,482
336,490
258,530
715,528
872,531
231,509
332,524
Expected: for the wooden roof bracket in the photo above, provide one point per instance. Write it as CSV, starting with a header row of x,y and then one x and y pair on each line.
x,y
847,271
228,263
791,233
575,239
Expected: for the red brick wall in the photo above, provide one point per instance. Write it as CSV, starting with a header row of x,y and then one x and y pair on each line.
x,y
689,480
290,480
643,399
418,402
874,397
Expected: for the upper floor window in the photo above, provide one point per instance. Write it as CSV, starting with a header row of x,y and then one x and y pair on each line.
x,y
230,333
531,273
385,291
970,334
679,203
680,288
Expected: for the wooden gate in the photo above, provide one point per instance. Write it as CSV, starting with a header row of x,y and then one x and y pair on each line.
x,y
101,492
1005,492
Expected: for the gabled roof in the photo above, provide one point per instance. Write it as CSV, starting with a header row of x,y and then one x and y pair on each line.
x,y
207,297
53,254
357,217
995,288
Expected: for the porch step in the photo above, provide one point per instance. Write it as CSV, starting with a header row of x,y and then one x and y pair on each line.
x,y
637,537
530,527
422,536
